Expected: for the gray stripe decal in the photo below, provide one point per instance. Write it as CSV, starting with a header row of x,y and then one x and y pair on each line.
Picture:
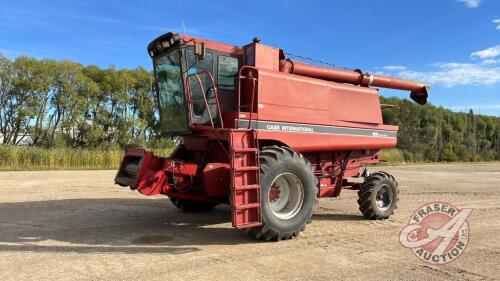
x,y
316,129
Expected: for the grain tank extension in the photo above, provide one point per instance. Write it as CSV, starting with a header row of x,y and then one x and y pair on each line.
x,y
265,134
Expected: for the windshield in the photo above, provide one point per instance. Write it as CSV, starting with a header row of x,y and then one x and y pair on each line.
x,y
173,115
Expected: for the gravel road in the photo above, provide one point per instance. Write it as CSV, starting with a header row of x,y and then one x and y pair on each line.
x,y
78,225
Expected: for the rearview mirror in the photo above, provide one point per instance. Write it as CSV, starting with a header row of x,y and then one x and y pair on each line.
x,y
199,51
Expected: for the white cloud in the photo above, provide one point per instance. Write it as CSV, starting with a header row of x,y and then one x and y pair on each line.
x,y
454,74
497,21
451,74
490,61
394,68
487,53
470,3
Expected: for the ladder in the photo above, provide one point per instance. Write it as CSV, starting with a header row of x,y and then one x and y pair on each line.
x,y
245,186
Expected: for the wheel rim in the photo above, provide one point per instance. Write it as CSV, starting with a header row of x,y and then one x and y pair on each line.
x,y
286,196
384,197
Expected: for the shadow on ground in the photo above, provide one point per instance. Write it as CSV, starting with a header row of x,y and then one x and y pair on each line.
x,y
338,217
119,225
112,225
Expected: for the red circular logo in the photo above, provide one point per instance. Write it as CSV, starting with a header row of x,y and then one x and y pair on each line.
x,y
437,232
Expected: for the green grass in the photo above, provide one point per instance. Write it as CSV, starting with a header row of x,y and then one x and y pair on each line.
x,y
392,156
16,158
35,158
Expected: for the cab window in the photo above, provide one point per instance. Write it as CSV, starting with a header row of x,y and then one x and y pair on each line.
x,y
227,72
200,92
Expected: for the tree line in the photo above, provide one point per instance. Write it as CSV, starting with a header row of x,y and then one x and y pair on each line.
x,y
66,104
430,133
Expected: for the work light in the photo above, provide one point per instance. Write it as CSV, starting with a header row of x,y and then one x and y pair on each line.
x,y
165,44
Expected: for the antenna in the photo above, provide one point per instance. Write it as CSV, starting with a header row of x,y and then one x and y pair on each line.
x,y
182,19
318,61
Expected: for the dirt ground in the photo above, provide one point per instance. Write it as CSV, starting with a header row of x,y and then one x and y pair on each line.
x,y
78,225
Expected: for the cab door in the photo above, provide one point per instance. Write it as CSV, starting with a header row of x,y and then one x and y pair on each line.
x,y
201,87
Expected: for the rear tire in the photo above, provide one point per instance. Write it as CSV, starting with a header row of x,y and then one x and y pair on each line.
x,y
288,194
192,206
378,196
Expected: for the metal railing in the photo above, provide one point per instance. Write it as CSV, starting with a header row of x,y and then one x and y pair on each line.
x,y
213,88
249,73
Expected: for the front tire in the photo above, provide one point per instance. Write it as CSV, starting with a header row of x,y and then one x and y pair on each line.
x,y
378,196
288,193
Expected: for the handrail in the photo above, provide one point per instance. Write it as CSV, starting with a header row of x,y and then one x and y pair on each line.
x,y
204,99
253,90
214,88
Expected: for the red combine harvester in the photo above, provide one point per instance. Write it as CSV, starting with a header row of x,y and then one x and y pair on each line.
x,y
264,134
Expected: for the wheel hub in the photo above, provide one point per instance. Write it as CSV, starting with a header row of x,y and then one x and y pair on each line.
x,y
384,197
274,193
286,196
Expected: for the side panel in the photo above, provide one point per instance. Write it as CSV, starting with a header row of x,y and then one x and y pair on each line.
x,y
216,179
312,141
266,57
292,98
314,115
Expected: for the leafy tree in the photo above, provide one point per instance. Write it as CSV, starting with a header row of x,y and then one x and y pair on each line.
x,y
63,103
430,133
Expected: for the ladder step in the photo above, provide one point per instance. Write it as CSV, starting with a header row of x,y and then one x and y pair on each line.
x,y
248,225
249,149
249,206
248,77
247,187
244,169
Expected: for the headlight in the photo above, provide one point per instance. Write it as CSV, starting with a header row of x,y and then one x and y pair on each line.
x,y
165,44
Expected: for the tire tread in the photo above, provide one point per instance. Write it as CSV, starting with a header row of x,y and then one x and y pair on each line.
x,y
365,195
269,156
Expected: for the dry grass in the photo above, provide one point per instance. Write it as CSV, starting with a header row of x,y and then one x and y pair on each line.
x,y
14,158
34,158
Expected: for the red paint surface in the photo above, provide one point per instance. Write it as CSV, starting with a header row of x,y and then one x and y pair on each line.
x,y
218,164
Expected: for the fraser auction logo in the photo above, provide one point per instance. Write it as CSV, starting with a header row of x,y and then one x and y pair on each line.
x,y
437,232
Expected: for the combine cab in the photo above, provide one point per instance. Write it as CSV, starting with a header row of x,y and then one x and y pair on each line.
x,y
264,134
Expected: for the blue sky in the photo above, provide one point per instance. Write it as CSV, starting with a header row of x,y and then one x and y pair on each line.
x,y
452,44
